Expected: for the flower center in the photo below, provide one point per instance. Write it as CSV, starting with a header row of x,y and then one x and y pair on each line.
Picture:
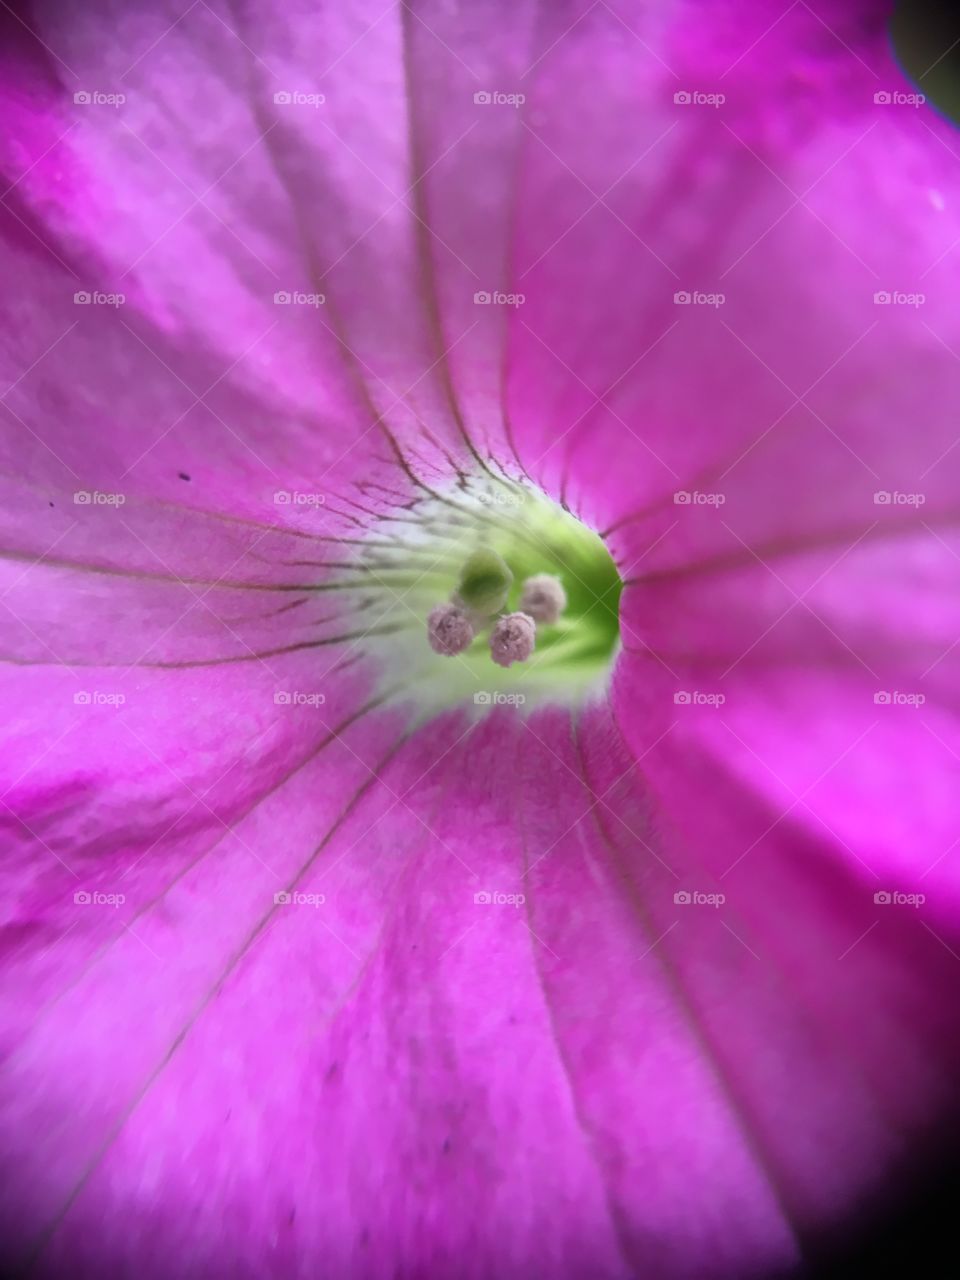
x,y
499,596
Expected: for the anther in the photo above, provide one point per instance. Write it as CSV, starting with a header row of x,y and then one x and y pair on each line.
x,y
543,598
513,639
449,630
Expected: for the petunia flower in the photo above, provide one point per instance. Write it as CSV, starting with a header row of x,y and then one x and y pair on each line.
x,y
327,954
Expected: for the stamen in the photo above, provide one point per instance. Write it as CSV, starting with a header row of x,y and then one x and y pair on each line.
x,y
513,639
517,573
449,630
543,598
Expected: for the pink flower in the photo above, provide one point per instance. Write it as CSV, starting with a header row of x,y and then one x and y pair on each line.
x,y
329,955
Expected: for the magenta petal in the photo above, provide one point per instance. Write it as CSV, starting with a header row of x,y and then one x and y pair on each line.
x,y
836,678
399,1015
316,983
679,1079
200,368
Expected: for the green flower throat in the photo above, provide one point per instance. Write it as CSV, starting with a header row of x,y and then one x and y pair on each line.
x,y
473,550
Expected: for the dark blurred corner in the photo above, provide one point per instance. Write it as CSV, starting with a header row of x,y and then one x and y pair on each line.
x,y
912,1232
926,37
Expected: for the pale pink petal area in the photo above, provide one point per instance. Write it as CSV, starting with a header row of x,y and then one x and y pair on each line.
x,y
825,1009
792,396
595,206
825,682
774,968
797,201
373,1050
118,787
133,582
117,999
264,329
686,1087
